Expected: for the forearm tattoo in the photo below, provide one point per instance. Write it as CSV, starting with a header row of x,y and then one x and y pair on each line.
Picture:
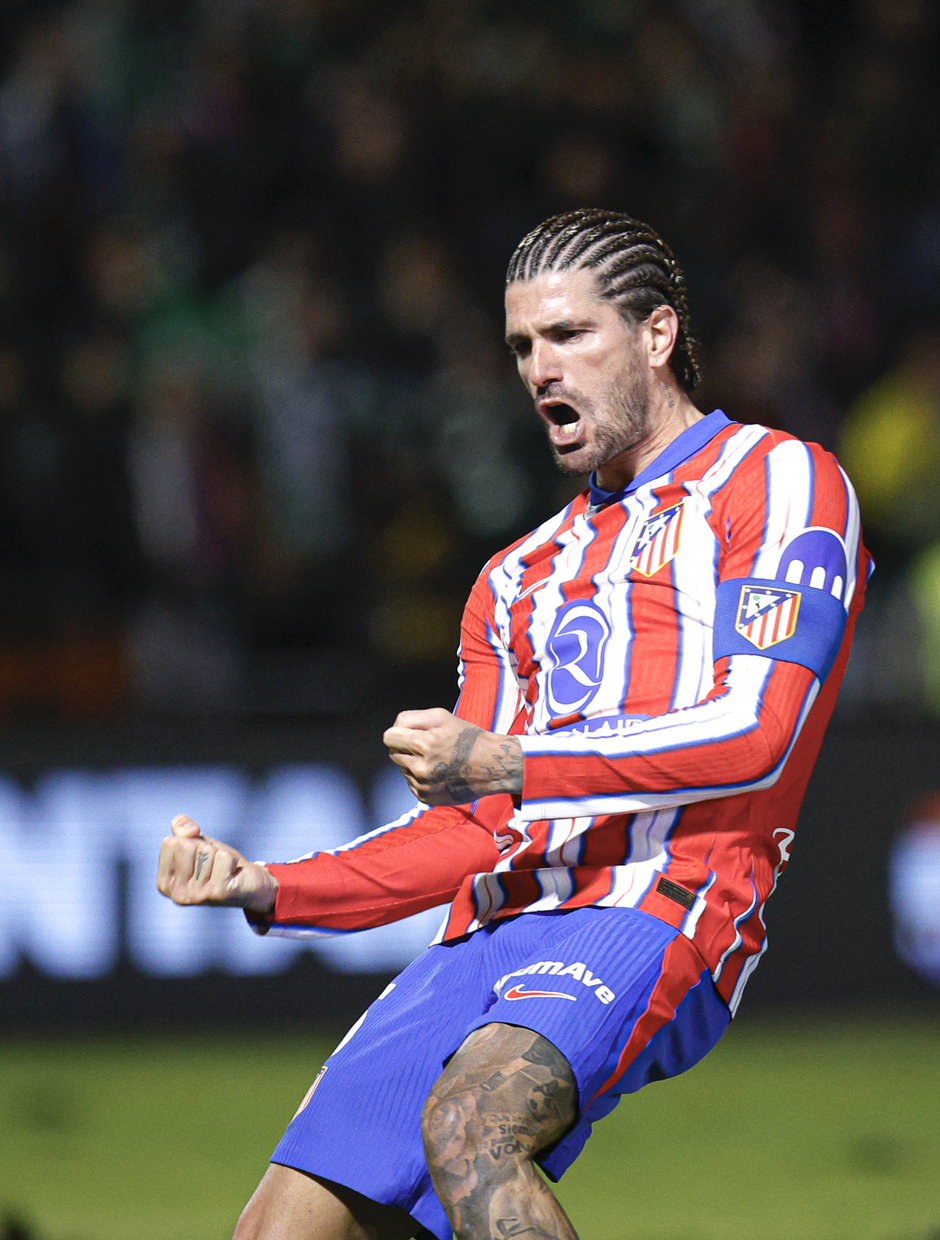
x,y
503,770
462,779
483,1127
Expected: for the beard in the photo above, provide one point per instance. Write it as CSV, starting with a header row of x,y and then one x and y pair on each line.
x,y
619,420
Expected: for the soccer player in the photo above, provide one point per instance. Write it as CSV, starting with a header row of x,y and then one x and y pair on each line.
x,y
644,684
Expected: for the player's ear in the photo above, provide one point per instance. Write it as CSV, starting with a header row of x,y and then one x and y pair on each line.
x,y
660,332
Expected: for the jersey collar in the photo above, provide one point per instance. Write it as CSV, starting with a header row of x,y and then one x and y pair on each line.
x,y
672,456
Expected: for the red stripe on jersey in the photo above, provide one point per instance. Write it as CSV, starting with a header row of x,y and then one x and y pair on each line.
x,y
656,632
607,836
682,969
608,525
356,887
830,503
693,469
708,763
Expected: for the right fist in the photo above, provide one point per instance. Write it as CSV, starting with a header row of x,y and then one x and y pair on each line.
x,y
196,870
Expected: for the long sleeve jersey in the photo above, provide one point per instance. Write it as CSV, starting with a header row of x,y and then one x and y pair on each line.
x,y
669,657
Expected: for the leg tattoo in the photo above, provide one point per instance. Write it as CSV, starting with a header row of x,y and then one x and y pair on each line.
x,y
507,1094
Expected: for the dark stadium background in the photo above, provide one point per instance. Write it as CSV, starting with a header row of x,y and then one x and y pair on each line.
x,y
258,432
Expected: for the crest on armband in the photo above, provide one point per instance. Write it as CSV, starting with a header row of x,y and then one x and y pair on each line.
x,y
767,615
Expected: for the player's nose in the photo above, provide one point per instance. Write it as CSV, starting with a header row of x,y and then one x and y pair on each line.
x,y
544,365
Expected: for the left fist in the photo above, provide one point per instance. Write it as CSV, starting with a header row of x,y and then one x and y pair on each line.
x,y
447,761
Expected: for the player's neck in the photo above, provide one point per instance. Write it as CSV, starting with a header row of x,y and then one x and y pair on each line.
x,y
671,412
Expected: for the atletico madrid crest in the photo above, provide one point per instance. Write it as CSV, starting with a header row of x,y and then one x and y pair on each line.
x,y
658,541
767,615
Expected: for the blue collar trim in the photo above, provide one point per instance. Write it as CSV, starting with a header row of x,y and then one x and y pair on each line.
x,y
672,456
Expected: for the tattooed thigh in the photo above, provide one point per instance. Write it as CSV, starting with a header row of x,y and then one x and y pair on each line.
x,y
506,1094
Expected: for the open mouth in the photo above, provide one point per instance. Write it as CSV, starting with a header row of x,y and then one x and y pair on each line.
x,y
564,424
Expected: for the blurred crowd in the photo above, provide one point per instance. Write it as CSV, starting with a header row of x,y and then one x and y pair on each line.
x,y
257,429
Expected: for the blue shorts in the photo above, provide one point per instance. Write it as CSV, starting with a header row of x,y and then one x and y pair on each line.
x,y
624,997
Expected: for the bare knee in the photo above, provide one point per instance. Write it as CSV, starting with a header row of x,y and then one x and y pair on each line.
x,y
292,1205
276,1202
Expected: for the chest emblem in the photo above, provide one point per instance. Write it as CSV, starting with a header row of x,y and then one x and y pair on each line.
x,y
767,615
658,541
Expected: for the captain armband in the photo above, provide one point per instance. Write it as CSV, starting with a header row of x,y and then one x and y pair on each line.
x,y
780,620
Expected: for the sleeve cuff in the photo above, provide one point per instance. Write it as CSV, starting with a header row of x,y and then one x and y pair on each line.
x,y
260,922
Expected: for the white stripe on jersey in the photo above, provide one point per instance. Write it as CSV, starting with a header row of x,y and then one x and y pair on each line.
x,y
749,966
488,896
738,936
565,837
504,584
510,691
632,882
612,597
694,574
521,827
556,886
733,452
706,722
853,534
789,503
698,908
649,832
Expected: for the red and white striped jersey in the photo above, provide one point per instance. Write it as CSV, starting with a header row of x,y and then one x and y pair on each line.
x,y
669,657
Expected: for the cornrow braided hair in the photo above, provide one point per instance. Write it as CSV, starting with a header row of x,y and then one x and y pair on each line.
x,y
633,265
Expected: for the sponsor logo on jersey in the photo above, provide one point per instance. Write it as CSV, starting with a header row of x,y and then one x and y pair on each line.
x,y
517,992
554,968
767,615
606,725
658,541
575,652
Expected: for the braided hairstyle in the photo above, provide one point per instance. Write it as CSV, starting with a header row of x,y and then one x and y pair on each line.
x,y
633,265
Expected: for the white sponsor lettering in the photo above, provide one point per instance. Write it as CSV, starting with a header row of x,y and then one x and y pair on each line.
x,y
557,968
575,970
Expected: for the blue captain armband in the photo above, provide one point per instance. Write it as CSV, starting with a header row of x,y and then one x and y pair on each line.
x,y
780,620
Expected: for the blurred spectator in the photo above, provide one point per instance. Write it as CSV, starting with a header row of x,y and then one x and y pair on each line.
x,y
765,368
192,504
99,556
415,619
891,447
305,412
250,267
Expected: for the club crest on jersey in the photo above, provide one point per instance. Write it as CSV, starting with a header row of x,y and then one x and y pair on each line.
x,y
658,541
767,615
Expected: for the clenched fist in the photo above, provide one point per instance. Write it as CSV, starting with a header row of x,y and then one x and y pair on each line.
x,y
196,870
449,762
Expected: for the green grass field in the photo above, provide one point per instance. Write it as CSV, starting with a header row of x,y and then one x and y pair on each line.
x,y
827,1130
